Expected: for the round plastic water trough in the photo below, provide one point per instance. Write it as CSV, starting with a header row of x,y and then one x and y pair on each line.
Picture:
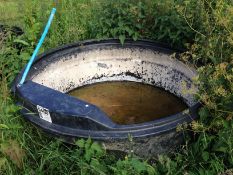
x,y
46,103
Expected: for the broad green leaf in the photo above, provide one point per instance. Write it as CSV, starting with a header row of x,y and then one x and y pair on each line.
x,y
21,42
80,143
135,37
25,56
205,156
122,39
3,126
138,165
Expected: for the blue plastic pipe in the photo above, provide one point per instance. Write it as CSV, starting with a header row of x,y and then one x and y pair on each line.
x,y
25,73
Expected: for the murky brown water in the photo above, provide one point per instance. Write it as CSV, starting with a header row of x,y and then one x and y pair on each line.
x,y
130,102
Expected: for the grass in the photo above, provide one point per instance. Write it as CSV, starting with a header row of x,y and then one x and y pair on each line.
x,y
10,12
203,28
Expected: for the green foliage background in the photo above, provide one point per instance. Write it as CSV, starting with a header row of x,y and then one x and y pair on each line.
x,y
202,28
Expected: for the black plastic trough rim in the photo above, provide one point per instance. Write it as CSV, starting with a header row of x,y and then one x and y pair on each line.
x,y
147,128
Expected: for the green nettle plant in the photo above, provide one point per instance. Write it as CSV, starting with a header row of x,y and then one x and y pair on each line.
x,y
212,49
118,19
204,29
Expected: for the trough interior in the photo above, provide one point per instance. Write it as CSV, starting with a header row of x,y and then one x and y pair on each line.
x,y
76,67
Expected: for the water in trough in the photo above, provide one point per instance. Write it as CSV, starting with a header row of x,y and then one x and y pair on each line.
x,y
128,102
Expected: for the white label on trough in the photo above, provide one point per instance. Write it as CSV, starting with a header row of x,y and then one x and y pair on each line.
x,y
44,113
